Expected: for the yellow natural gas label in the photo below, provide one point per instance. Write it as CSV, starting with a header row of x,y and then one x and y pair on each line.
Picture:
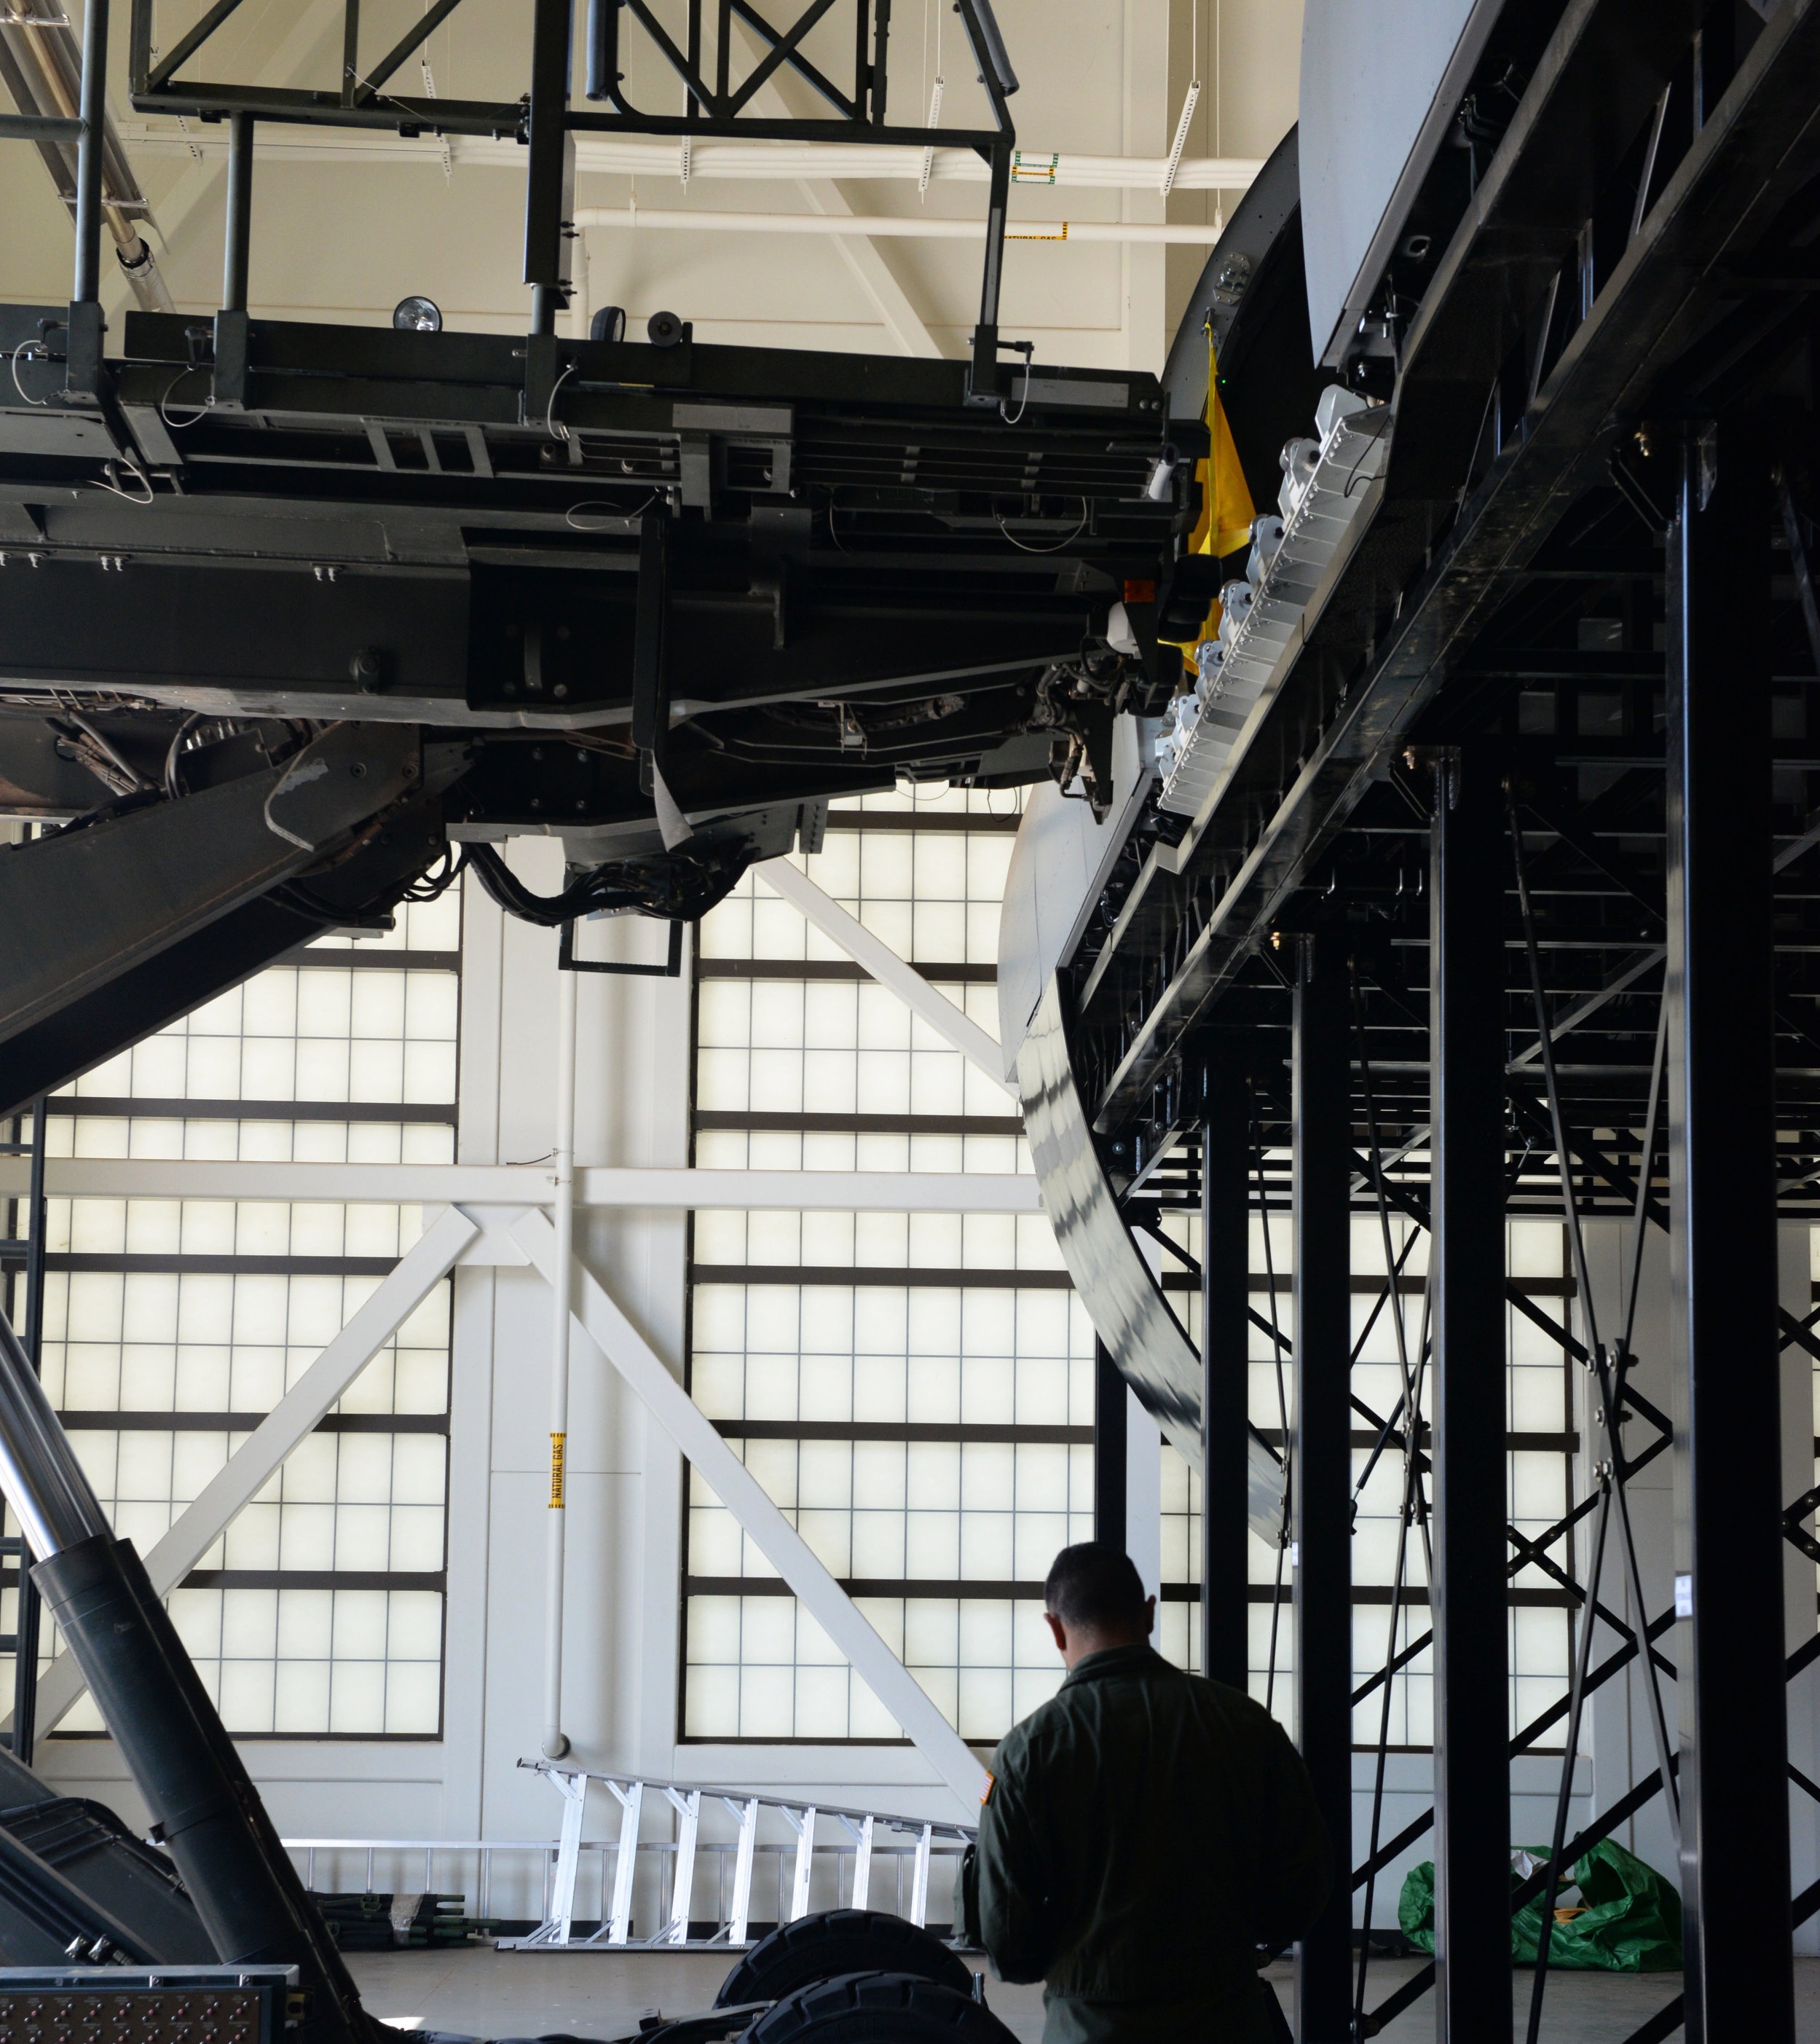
x,y
557,1442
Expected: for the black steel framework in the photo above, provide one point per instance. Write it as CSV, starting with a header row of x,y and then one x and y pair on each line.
x,y
721,88
1722,1158
1585,575
1481,776
1472,1763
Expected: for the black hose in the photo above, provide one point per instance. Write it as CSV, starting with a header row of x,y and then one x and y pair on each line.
x,y
680,887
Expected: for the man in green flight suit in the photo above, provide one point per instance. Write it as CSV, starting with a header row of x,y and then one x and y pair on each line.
x,y
1146,1838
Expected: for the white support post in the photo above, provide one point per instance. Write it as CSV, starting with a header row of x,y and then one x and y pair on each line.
x,y
573,1789
610,1332
862,1861
748,1813
630,1800
688,1807
883,963
555,1740
804,1825
919,1889
416,1275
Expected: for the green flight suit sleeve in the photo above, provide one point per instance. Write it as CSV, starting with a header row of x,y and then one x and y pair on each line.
x,y
1295,1862
1016,1911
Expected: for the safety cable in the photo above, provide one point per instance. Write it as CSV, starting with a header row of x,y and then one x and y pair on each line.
x,y
1282,1403
1646,1165
1413,1503
1608,1389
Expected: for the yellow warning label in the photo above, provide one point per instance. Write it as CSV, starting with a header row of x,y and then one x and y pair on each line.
x,y
557,1443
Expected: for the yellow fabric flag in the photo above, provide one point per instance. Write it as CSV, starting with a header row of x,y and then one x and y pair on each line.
x,y
1226,512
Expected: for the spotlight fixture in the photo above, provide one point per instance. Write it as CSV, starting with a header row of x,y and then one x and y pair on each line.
x,y
418,316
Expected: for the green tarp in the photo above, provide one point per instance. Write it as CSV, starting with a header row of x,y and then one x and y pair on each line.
x,y
1628,1917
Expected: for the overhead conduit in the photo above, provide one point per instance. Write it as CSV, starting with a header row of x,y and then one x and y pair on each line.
x,y
633,156
41,66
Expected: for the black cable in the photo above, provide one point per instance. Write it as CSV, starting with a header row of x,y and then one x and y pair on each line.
x,y
432,885
680,887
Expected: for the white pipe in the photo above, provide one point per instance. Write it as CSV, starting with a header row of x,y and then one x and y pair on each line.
x,y
629,156
563,1216
890,225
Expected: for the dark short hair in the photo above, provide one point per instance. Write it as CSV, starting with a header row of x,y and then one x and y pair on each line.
x,y
1094,1584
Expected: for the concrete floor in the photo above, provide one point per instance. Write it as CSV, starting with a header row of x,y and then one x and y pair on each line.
x,y
485,1993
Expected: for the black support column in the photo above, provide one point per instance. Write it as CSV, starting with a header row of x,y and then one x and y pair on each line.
x,y
1469,861
1110,1415
1322,1058
1225,1344
1722,1312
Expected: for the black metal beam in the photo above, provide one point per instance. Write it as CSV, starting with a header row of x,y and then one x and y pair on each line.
x,y
1323,1559
1225,1345
1735,1877
1472,1762
1109,1439
237,251
548,180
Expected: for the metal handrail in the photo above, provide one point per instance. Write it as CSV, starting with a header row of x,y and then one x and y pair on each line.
x,y
674,1861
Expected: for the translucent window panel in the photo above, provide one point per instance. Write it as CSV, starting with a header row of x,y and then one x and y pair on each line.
x,y
930,1352
760,1667
203,1342
1411,1721
221,1139
1181,1492
348,1663
300,1034
98,1227
835,1047
908,1511
359,1501
791,1150
920,1241
933,895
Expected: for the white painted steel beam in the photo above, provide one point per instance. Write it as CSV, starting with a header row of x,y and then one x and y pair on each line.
x,y
600,1320
530,1185
711,157
895,226
419,1270
878,958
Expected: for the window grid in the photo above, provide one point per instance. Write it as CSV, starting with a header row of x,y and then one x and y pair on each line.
x,y
983,1337
172,1327
1539,1477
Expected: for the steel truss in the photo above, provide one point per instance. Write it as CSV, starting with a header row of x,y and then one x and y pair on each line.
x,y
1568,870
716,103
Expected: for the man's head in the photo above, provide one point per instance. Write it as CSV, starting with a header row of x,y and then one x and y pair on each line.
x,y
1093,1600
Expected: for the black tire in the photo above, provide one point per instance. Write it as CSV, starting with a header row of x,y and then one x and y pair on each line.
x,y
879,2008
840,1941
